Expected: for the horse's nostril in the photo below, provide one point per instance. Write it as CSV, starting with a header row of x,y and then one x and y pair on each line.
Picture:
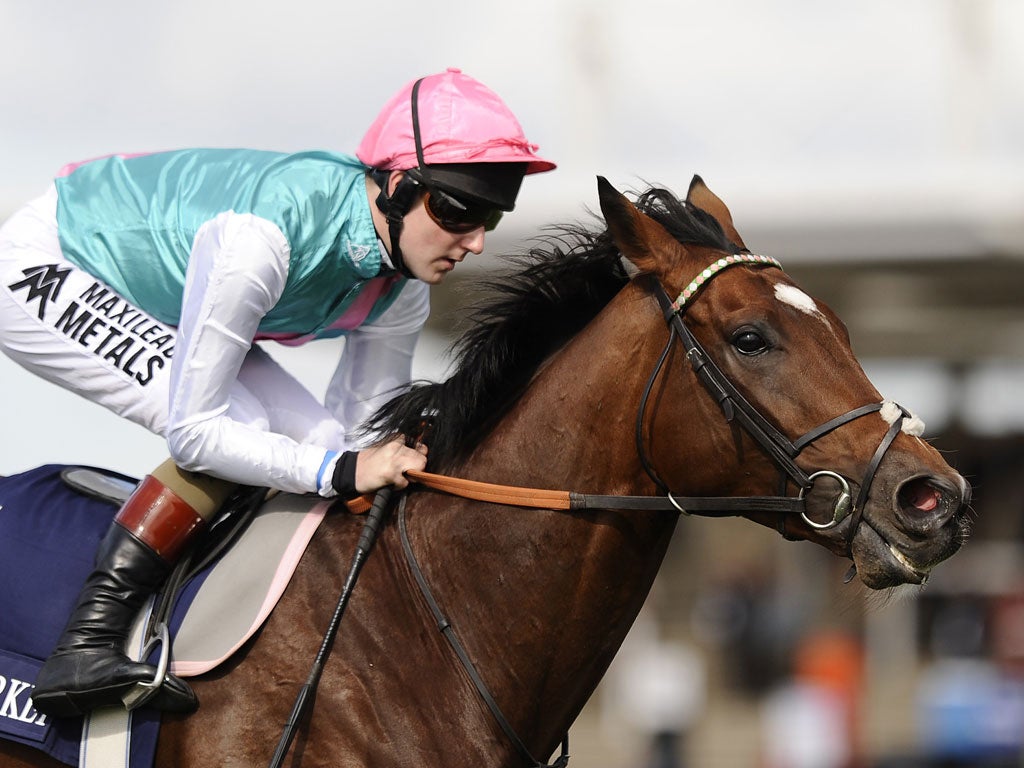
x,y
919,496
926,504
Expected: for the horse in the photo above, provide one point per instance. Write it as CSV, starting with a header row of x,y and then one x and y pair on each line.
x,y
478,630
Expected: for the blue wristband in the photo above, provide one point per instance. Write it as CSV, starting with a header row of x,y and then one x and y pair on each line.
x,y
328,458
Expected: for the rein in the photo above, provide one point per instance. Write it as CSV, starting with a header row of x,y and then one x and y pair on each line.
x,y
735,407
570,501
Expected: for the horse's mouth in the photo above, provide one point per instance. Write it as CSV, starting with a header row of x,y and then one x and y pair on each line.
x,y
917,574
881,563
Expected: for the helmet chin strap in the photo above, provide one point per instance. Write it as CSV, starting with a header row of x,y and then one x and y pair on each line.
x,y
400,202
394,208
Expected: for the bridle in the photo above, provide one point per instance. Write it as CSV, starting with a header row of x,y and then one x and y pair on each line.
x,y
735,407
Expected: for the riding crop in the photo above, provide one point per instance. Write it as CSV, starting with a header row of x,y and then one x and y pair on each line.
x,y
371,529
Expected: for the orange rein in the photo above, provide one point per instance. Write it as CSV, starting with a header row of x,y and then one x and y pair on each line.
x,y
536,498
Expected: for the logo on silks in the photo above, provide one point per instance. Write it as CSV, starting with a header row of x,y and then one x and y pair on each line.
x,y
357,252
78,306
44,283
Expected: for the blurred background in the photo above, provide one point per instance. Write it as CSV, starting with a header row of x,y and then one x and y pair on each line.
x,y
876,148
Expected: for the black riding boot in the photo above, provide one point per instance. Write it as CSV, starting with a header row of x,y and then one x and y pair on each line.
x,y
89,668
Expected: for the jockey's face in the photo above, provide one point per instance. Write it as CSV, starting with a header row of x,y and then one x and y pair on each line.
x,y
431,252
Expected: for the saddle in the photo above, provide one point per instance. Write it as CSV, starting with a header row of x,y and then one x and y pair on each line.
x,y
51,521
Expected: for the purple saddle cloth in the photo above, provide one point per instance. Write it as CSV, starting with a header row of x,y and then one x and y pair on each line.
x,y
49,532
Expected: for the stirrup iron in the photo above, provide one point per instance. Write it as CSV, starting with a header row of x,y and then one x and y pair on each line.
x,y
142,692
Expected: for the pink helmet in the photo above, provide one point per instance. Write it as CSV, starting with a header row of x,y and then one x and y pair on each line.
x,y
461,121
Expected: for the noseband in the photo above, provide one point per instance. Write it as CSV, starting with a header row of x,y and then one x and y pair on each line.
x,y
736,408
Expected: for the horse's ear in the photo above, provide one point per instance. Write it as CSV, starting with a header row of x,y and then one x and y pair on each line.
x,y
635,235
701,197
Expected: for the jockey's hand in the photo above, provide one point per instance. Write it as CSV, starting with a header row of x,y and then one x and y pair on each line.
x,y
385,464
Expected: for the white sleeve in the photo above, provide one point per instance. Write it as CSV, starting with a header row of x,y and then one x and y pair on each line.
x,y
376,360
236,274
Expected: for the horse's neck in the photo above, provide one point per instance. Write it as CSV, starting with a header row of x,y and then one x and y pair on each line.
x,y
573,428
569,585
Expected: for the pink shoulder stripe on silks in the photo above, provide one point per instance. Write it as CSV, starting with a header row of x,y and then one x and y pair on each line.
x,y
70,168
285,568
352,317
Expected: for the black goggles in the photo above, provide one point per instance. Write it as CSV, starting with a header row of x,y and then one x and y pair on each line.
x,y
456,216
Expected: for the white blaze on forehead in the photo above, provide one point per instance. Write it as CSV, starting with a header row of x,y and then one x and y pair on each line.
x,y
790,294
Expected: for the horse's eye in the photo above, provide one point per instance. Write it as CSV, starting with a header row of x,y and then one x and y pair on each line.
x,y
749,342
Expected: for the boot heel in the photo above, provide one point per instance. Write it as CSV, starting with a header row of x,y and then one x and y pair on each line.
x,y
57,704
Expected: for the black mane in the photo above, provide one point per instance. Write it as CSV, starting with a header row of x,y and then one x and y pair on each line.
x,y
524,316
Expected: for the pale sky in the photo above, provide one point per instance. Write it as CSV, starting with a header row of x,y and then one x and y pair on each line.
x,y
790,108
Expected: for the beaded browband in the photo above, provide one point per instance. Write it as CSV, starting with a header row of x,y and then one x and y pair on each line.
x,y
726,261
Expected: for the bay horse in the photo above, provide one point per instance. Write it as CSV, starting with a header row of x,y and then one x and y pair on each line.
x,y
577,373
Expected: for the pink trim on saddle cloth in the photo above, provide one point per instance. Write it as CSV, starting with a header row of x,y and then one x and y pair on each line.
x,y
185,664
70,168
350,319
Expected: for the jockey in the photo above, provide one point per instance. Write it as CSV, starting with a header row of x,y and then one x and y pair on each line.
x,y
142,282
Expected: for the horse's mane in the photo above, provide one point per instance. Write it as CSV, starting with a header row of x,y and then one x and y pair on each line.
x,y
524,315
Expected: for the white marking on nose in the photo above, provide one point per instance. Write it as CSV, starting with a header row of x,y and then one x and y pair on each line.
x,y
912,425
